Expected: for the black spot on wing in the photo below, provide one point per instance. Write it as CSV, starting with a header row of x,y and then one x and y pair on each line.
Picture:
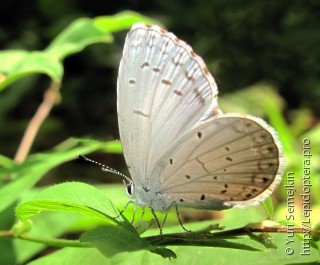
x,y
145,64
177,92
139,112
165,82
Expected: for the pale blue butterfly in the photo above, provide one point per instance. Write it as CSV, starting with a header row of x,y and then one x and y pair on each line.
x,y
179,147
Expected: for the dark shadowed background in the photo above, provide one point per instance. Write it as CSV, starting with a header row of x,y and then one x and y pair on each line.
x,y
241,43
244,44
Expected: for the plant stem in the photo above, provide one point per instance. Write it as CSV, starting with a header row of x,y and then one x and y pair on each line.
x,y
55,242
223,234
246,230
51,97
48,242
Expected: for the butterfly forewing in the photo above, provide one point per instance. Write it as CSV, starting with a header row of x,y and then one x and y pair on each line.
x,y
228,160
164,89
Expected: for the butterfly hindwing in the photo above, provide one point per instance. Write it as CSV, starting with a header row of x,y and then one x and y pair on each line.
x,y
226,161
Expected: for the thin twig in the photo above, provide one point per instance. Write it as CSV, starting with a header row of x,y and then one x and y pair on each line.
x,y
51,97
221,234
245,230
169,239
56,242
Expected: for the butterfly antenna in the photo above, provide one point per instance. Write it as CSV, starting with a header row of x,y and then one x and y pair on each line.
x,y
105,168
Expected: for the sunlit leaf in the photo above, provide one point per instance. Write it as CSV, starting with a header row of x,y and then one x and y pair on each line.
x,y
76,37
31,63
26,175
71,197
121,21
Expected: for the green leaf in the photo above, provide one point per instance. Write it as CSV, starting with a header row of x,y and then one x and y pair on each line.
x,y
59,224
26,175
263,238
23,64
113,147
268,207
72,197
16,64
186,255
22,227
121,21
113,240
5,162
73,256
9,58
76,37
203,237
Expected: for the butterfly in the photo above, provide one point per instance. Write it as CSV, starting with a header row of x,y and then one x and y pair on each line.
x,y
179,147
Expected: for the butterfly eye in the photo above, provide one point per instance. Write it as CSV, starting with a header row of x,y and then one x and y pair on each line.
x,y
129,188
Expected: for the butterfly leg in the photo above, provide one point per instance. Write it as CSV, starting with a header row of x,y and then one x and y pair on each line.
x,y
154,215
124,208
142,214
165,218
134,213
178,216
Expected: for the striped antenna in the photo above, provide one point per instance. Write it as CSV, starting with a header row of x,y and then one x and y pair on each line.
x,y
105,168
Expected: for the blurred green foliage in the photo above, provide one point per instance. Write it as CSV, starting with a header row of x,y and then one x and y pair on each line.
x,y
264,56
242,44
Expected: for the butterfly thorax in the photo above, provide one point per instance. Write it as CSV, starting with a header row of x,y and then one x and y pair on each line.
x,y
155,199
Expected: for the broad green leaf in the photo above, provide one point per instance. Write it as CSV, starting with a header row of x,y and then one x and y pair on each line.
x,y
31,63
26,175
212,235
59,224
121,21
9,58
76,37
209,242
86,256
187,255
196,254
71,197
5,162
113,240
